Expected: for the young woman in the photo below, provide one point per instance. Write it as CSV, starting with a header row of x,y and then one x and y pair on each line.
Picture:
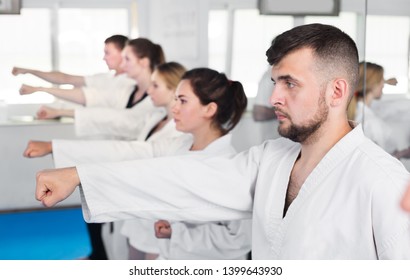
x,y
157,125
111,89
207,101
208,107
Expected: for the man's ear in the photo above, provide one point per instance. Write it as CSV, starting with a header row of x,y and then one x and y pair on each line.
x,y
340,92
211,109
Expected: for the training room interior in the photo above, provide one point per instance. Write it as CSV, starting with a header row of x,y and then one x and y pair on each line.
x,y
230,36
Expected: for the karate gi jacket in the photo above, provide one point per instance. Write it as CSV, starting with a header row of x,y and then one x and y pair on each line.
x,y
111,123
108,90
389,135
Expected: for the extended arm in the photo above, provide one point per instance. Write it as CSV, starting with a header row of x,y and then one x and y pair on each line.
x,y
74,95
190,187
402,153
37,149
56,185
46,112
54,77
73,152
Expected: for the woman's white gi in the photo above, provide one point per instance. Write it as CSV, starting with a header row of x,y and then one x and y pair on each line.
x,y
108,90
109,123
348,207
391,136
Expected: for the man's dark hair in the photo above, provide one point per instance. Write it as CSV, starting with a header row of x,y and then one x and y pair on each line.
x,y
120,41
335,51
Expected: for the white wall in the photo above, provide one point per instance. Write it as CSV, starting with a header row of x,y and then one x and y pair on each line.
x,y
17,173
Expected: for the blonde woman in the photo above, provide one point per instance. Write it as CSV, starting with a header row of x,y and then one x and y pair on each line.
x,y
387,135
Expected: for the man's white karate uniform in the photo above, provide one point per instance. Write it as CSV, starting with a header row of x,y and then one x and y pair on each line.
x,y
348,207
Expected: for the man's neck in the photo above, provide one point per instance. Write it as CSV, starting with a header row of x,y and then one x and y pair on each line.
x,y
312,152
318,145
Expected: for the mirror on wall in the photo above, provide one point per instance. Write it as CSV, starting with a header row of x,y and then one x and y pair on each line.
x,y
386,106
238,37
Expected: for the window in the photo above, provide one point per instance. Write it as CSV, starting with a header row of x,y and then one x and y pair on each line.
x,y
26,44
78,46
81,41
253,34
387,44
217,39
346,21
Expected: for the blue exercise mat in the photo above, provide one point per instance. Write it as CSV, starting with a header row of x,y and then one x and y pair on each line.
x,y
43,235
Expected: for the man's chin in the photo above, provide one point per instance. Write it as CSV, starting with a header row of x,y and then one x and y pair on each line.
x,y
284,132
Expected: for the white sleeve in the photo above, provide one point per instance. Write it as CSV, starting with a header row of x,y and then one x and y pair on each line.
x,y
193,187
113,123
390,224
73,152
215,241
380,132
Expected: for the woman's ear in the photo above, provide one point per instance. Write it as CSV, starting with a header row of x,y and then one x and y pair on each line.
x,y
144,62
211,109
340,92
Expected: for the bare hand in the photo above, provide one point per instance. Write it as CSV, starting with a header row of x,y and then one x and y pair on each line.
x,y
26,89
405,202
46,112
55,185
37,149
16,71
163,229
391,81
402,153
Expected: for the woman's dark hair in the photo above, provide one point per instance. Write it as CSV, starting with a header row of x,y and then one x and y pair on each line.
x,y
212,86
143,47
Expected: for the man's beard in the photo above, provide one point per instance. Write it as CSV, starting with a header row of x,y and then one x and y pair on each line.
x,y
300,133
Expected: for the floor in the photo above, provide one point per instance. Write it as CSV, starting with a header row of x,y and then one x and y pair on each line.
x,y
43,235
